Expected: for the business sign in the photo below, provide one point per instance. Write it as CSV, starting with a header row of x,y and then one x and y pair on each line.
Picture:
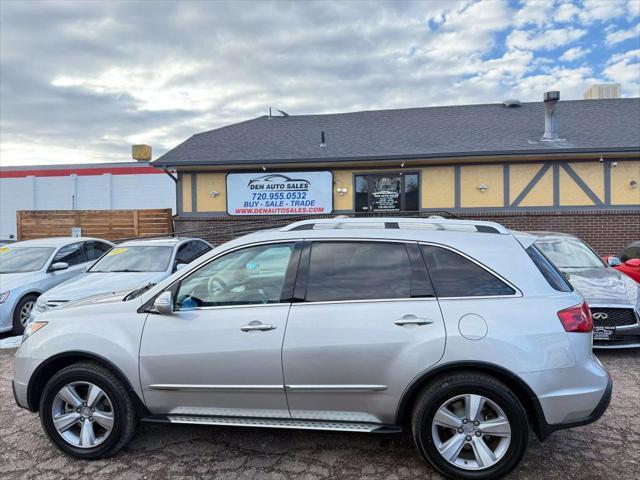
x,y
282,193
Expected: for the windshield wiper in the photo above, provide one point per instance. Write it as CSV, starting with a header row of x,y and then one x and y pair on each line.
x,y
137,292
125,270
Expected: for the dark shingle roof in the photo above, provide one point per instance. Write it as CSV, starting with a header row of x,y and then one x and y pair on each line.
x,y
435,132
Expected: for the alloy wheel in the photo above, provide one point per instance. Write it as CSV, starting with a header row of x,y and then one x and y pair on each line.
x,y
25,312
82,414
471,432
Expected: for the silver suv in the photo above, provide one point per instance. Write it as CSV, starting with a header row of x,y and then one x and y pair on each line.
x,y
459,331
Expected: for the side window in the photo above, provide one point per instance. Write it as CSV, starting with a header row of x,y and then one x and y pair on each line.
x,y
455,276
358,271
200,249
185,253
94,249
71,254
629,253
253,275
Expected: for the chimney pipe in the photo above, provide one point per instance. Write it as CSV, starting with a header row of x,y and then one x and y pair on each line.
x,y
551,115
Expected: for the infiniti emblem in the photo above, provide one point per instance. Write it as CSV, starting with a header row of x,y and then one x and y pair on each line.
x,y
600,316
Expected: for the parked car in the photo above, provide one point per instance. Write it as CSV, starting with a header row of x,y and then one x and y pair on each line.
x,y
613,297
29,268
628,261
458,330
127,266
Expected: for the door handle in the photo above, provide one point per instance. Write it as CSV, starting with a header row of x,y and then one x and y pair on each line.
x,y
412,320
257,326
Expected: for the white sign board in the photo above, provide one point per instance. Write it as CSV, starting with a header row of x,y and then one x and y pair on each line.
x,y
76,232
281,193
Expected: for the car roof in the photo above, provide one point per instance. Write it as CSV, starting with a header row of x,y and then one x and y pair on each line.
x,y
54,242
156,242
552,235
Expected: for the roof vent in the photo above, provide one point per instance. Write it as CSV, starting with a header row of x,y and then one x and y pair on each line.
x,y
551,115
511,102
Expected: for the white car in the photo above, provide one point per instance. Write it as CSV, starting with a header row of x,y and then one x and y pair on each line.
x,y
29,268
127,266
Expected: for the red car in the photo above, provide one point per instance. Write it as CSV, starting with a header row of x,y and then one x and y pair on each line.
x,y
628,261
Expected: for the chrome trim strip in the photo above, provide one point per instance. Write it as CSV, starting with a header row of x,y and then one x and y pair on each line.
x,y
372,300
224,307
335,388
218,388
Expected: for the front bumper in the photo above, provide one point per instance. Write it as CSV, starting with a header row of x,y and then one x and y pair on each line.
x,y
622,337
6,315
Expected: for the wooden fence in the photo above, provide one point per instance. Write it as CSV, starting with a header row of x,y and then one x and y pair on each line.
x,y
107,224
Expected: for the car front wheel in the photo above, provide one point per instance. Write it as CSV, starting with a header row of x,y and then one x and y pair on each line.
x,y
86,411
22,313
470,426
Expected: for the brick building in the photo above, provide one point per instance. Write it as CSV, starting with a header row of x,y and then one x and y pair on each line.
x,y
570,166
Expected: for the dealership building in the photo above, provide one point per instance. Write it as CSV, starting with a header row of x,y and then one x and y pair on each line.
x,y
569,166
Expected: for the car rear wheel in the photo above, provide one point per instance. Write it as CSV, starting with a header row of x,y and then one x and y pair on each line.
x,y
470,426
86,411
22,313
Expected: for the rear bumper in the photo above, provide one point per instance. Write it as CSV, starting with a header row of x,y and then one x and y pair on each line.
x,y
544,429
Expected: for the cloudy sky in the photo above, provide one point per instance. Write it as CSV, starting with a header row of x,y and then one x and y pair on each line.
x,y
82,81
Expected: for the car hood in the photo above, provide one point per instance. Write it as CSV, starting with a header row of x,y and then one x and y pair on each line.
x,y
15,280
90,284
604,286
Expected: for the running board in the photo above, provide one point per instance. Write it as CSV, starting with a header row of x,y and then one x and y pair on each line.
x,y
275,423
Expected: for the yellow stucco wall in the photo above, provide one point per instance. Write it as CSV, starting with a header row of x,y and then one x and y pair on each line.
x,y
471,176
622,193
343,179
570,192
541,195
438,187
591,173
185,182
206,184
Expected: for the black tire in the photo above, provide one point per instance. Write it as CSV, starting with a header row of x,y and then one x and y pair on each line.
x,y
123,409
447,387
18,328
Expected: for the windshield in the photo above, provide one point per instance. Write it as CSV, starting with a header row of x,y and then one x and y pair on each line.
x,y
23,259
134,259
569,253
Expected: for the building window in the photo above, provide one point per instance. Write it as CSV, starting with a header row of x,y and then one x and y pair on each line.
x,y
387,192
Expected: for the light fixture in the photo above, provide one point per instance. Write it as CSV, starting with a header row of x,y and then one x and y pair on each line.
x,y
341,190
614,164
402,165
483,187
633,183
214,194
264,169
601,159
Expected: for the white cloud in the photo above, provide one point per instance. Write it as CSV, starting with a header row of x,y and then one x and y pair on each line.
x,y
633,8
574,53
624,68
536,12
601,10
544,39
617,36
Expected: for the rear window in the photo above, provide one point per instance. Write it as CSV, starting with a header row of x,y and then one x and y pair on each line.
x,y
548,270
455,276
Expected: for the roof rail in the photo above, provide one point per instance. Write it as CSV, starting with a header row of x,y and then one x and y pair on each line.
x,y
411,223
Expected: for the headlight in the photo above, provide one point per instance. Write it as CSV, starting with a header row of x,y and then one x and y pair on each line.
x,y
41,304
32,328
4,296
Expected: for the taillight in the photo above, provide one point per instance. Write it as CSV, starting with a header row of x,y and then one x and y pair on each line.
x,y
576,318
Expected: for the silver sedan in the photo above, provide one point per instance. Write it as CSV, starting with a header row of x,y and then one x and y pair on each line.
x,y
30,268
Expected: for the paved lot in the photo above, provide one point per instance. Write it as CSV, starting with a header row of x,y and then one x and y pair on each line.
x,y
604,450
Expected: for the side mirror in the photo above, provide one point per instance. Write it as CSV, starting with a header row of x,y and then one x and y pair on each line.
x,y
613,261
163,304
180,266
633,262
58,266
